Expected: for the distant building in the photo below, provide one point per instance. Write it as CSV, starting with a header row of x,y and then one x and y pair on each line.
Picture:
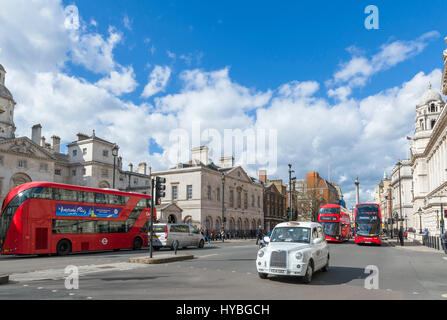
x,y
274,201
199,188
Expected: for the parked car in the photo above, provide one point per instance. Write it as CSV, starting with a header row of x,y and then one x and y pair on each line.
x,y
164,235
294,249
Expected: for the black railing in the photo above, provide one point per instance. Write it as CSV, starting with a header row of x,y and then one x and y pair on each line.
x,y
432,242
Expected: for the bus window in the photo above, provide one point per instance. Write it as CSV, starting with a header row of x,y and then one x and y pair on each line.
x,y
100,198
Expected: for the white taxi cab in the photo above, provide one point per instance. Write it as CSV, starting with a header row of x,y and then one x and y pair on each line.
x,y
294,249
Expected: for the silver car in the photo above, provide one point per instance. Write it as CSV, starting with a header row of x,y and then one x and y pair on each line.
x,y
165,234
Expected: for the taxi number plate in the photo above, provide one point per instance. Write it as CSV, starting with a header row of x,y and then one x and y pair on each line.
x,y
277,271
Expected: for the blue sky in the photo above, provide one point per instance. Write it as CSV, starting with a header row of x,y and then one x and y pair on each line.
x,y
336,94
267,43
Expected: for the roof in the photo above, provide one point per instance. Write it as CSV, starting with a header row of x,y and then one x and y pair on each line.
x,y
305,224
429,95
1,68
5,93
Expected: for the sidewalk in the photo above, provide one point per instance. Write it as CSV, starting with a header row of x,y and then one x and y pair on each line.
x,y
412,245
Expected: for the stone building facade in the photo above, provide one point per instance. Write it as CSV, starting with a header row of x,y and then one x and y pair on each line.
x,y
201,188
401,194
88,161
274,202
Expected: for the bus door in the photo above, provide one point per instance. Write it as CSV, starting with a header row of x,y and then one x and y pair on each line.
x,y
40,233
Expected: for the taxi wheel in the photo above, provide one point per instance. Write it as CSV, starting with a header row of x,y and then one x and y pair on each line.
x,y
326,267
201,244
309,271
262,275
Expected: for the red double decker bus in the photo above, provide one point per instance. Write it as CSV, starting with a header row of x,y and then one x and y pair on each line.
x,y
368,223
51,218
335,221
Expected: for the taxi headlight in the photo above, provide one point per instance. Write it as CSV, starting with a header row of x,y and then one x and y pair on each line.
x,y
299,255
260,253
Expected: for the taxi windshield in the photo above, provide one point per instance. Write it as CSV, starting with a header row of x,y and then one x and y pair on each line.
x,y
291,234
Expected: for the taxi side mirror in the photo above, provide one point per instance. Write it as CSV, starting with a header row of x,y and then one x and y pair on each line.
x,y
266,239
317,241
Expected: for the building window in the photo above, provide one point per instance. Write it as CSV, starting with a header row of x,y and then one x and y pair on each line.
x,y
231,198
1,160
239,199
135,181
57,172
252,200
75,153
208,193
259,201
104,173
84,151
105,153
43,167
174,193
245,200
84,171
73,172
189,192
22,164
218,194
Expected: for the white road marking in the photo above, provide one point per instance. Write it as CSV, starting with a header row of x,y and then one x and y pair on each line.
x,y
208,255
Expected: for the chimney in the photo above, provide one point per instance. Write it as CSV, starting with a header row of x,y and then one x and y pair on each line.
x,y
42,142
227,162
56,143
130,167
263,176
142,168
36,132
82,136
200,154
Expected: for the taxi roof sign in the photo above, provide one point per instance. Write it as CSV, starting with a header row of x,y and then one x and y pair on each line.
x,y
293,223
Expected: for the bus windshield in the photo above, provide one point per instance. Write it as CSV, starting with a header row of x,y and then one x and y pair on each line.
x,y
287,234
331,228
367,220
329,210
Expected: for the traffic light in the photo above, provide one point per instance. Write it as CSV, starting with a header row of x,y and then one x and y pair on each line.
x,y
159,189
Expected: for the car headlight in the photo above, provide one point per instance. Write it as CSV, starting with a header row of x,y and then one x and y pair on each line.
x,y
299,255
260,253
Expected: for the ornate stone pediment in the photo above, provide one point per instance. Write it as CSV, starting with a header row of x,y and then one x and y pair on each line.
x,y
21,147
24,146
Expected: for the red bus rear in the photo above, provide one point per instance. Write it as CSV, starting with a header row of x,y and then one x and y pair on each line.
x,y
368,223
48,218
335,221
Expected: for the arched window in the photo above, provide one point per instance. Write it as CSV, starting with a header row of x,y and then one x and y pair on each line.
x,y
188,220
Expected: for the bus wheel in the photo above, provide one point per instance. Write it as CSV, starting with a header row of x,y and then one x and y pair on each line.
x,y
63,247
137,243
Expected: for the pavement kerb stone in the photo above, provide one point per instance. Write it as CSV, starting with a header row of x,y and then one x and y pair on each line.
x,y
161,259
4,278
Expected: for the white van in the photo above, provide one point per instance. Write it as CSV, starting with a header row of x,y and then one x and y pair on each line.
x,y
166,233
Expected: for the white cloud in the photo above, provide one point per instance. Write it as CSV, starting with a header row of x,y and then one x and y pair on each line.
x,y
157,81
127,22
119,82
357,71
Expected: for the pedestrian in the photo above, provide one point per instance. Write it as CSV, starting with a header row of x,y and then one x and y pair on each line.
x,y
207,236
222,235
259,235
444,241
401,236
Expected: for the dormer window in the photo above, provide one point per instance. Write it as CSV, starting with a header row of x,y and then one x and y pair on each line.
x,y
432,108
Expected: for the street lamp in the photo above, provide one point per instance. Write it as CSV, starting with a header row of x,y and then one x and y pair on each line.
x,y
114,154
290,191
420,220
401,227
223,202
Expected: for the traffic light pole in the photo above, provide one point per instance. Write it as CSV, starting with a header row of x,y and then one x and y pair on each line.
x,y
152,219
